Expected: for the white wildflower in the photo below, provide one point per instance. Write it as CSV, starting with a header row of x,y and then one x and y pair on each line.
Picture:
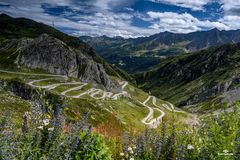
x,y
225,151
50,129
40,127
46,122
190,147
131,159
129,148
131,151
121,154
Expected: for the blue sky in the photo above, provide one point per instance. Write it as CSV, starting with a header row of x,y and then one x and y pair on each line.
x,y
128,18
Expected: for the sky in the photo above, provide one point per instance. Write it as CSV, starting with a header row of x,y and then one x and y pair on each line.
x,y
128,18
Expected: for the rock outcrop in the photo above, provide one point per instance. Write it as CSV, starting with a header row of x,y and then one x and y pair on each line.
x,y
56,57
50,54
45,47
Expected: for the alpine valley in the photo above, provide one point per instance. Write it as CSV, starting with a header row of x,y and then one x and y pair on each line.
x,y
166,96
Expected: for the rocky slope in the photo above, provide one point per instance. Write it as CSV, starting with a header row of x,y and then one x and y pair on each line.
x,y
195,77
48,49
145,52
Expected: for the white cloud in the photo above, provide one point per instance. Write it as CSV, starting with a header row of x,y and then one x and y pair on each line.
x,y
229,4
192,4
102,20
181,23
233,22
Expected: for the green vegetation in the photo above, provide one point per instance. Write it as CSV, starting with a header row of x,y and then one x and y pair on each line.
x,y
121,113
7,58
44,136
216,137
194,77
77,92
10,103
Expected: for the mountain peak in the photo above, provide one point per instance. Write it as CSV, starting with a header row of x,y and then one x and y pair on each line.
x,y
4,15
215,30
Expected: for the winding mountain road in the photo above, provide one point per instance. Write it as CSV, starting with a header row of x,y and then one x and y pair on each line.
x,y
153,122
91,92
149,120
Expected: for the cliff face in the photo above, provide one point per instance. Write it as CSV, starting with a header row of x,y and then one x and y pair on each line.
x,y
49,54
56,57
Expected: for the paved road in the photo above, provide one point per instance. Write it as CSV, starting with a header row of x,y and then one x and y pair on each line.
x,y
153,122
149,120
92,92
167,105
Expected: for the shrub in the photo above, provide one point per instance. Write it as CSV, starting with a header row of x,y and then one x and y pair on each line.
x,y
43,136
217,137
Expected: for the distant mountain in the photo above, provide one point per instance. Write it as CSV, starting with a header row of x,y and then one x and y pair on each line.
x,y
141,53
205,77
26,43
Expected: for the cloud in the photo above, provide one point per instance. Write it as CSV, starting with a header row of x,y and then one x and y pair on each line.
x,y
180,23
95,20
231,7
116,18
232,21
192,4
112,24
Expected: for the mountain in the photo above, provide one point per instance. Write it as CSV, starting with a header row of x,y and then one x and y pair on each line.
x,y
39,64
145,52
36,45
207,76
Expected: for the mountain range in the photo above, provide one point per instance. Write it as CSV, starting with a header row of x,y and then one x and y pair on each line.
x,y
139,54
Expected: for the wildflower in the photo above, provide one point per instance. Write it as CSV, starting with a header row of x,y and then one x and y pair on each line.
x,y
131,159
50,129
225,151
40,127
46,122
190,147
129,148
122,154
131,151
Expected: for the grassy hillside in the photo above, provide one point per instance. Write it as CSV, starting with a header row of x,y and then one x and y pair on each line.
x,y
197,77
124,113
